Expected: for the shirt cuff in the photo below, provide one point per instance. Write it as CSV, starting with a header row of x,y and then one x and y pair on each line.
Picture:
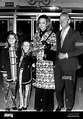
x,y
66,55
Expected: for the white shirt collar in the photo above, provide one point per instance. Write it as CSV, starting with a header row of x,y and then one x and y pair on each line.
x,y
64,32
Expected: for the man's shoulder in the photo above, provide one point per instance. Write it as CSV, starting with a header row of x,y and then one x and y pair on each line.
x,y
74,30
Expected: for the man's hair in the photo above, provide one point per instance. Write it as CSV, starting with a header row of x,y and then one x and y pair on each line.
x,y
65,14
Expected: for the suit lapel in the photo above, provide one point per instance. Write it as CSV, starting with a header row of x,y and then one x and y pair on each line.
x,y
59,38
67,37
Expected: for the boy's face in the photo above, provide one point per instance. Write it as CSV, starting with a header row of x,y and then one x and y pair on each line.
x,y
11,39
26,46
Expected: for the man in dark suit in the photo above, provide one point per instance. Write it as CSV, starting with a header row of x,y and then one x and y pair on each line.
x,y
69,46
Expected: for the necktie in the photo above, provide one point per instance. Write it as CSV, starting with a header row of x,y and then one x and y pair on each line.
x,y
62,37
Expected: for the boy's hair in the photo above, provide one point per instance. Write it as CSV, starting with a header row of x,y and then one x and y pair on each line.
x,y
27,42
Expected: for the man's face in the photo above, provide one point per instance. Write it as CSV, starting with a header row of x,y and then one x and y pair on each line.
x,y
64,21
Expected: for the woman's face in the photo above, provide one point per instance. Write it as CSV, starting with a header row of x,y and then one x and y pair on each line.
x,y
42,24
26,46
11,39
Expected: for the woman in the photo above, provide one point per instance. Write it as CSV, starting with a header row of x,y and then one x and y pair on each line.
x,y
44,84
25,79
9,68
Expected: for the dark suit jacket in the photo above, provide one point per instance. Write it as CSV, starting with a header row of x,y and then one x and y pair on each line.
x,y
69,47
26,65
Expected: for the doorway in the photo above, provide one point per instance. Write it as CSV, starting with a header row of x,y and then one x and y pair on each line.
x,y
25,26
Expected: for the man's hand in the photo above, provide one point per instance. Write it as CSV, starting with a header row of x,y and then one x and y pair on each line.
x,y
62,55
33,65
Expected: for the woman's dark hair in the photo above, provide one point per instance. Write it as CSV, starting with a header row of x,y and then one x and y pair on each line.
x,y
48,21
